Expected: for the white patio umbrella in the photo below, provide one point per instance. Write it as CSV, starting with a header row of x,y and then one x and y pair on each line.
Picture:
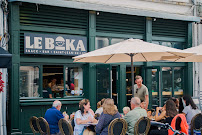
x,y
193,58
131,50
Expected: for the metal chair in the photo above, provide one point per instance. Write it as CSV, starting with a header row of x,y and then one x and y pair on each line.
x,y
142,126
65,127
33,124
117,126
43,126
196,123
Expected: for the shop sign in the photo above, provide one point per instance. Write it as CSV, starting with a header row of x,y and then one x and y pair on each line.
x,y
53,44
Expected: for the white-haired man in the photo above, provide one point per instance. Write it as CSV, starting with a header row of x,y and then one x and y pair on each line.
x,y
135,113
53,115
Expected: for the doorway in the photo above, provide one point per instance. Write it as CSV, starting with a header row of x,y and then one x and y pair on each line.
x,y
137,71
166,82
114,79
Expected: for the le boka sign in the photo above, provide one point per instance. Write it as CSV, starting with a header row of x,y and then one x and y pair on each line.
x,y
54,44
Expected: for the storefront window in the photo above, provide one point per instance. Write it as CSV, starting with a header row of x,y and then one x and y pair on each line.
x,y
166,83
178,81
155,90
101,42
178,45
29,81
73,81
116,40
57,84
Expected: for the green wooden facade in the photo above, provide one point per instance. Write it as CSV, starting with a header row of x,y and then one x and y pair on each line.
x,y
42,19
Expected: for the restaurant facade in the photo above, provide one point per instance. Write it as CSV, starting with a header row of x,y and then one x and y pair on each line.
x,y
44,38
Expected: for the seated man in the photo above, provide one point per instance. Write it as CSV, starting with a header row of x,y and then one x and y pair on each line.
x,y
135,113
53,115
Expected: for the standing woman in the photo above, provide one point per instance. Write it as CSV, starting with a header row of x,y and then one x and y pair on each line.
x,y
82,117
110,112
190,110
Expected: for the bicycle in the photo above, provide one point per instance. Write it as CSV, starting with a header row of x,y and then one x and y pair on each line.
x,y
167,126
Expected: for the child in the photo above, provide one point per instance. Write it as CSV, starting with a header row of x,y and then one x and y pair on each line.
x,y
126,110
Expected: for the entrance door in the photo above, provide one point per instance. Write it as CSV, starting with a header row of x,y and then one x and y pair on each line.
x,y
155,88
114,83
166,82
103,81
137,71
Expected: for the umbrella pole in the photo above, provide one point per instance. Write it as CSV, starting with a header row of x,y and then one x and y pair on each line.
x,y
132,73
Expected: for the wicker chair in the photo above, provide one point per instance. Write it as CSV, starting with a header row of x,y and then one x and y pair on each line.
x,y
43,126
196,123
33,124
65,127
117,127
142,126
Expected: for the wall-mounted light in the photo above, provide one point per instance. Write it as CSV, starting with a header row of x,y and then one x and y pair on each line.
x,y
98,13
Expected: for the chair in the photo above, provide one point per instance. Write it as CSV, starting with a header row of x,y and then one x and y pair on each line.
x,y
65,127
196,123
43,126
33,124
117,126
142,126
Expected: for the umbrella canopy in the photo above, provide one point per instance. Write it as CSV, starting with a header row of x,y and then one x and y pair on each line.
x,y
138,50
143,52
193,58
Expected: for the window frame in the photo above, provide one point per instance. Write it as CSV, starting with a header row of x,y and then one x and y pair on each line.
x,y
40,90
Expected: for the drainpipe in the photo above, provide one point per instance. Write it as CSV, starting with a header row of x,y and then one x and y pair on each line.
x,y
3,30
196,33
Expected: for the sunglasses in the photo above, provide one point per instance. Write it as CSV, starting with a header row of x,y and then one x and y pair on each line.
x,y
136,90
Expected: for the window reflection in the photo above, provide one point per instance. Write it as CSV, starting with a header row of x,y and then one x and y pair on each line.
x,y
116,40
101,42
155,95
29,81
166,83
178,81
178,45
73,81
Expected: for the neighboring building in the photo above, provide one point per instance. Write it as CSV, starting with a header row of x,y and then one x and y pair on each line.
x,y
46,34
5,62
197,40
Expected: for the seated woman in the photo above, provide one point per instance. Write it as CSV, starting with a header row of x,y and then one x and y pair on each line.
x,y
170,113
160,113
47,93
190,109
110,112
83,117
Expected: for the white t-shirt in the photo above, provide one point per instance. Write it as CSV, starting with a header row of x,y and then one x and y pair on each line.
x,y
99,110
79,128
190,113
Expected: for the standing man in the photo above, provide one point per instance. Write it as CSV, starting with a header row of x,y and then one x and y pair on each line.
x,y
53,115
141,91
134,115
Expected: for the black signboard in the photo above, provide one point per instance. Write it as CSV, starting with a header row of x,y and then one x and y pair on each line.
x,y
53,44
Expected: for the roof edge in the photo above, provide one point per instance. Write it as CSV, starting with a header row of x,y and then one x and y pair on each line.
x,y
106,8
